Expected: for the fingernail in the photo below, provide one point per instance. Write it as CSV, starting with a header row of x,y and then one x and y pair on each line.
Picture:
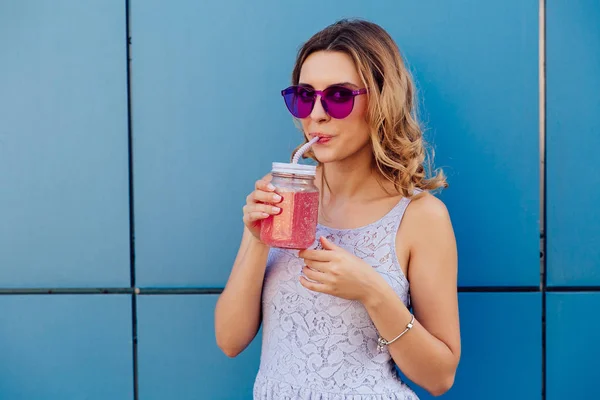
x,y
276,198
276,210
270,187
265,215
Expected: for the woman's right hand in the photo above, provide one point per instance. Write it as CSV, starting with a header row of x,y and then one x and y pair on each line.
x,y
260,204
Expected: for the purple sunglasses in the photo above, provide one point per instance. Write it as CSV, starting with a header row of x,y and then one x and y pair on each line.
x,y
337,100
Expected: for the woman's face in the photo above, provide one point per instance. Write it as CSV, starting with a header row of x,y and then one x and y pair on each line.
x,y
340,138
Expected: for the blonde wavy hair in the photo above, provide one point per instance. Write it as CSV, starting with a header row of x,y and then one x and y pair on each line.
x,y
396,136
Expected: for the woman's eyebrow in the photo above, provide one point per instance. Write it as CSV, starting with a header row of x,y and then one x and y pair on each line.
x,y
345,84
333,84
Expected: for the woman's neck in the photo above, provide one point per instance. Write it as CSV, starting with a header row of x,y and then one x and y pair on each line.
x,y
352,179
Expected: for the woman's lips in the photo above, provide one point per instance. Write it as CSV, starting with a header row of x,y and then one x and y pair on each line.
x,y
322,138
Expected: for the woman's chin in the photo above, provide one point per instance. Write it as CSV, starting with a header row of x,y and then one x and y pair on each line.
x,y
325,157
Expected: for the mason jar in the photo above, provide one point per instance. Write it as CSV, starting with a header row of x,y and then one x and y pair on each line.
x,y
295,226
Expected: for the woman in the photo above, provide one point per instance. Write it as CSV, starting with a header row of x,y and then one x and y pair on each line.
x,y
336,317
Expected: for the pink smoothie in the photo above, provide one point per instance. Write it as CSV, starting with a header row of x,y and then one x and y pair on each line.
x,y
295,227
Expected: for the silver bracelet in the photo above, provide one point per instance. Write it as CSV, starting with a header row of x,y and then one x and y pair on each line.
x,y
382,342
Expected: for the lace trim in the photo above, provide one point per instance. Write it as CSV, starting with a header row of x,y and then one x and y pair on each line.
x,y
274,389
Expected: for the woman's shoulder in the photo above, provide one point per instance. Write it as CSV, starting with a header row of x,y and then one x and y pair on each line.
x,y
426,228
425,218
428,207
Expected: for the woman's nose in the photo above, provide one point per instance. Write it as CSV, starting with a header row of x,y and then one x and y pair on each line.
x,y
318,112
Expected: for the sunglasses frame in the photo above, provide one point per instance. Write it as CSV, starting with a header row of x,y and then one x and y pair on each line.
x,y
293,89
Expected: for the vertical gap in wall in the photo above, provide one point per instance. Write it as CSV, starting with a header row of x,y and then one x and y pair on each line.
x,y
131,205
543,197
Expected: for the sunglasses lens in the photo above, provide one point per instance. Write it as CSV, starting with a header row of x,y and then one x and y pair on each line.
x,y
299,101
339,101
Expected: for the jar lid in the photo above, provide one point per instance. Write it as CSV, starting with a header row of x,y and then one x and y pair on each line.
x,y
296,169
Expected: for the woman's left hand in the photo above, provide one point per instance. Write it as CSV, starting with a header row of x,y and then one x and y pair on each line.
x,y
338,273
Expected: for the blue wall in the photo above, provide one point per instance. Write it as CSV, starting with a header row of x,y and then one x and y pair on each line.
x,y
202,106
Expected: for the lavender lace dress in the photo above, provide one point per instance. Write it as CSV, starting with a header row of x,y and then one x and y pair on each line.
x,y
319,347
